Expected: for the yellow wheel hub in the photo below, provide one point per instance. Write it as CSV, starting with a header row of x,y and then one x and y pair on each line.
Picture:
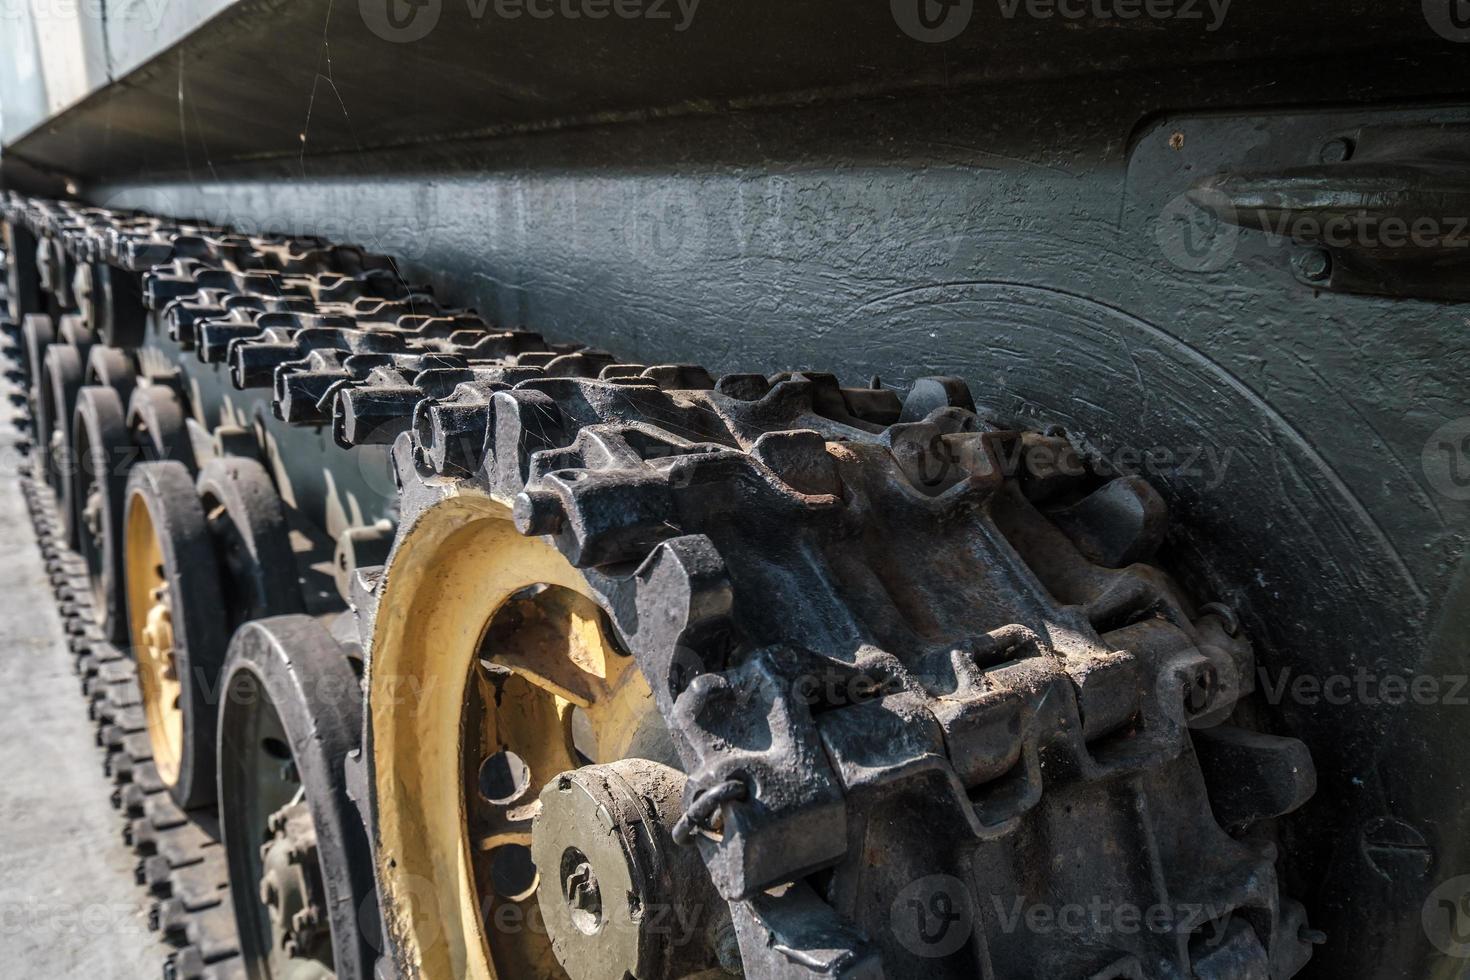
x,y
492,671
150,623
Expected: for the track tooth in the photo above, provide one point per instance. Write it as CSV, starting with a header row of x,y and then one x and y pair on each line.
x,y
122,768
154,872
86,665
181,316
113,670
132,799
138,747
679,377
300,387
213,336
450,434
212,930
169,917
186,964
374,410
110,737
374,414
187,277
124,693
142,836
163,812
201,884
145,774
183,845
309,390
106,652
253,361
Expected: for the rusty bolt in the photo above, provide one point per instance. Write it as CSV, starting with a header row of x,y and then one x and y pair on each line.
x,y
1315,265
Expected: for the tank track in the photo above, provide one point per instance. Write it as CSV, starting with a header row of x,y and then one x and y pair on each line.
x,y
180,861
875,625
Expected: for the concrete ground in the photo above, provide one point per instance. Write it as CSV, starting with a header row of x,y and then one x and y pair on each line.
x,y
68,904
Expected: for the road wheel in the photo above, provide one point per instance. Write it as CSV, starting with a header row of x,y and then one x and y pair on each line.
x,y
38,332
53,427
113,368
177,625
158,417
248,524
111,301
494,674
300,867
98,484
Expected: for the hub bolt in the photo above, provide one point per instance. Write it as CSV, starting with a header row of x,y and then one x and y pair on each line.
x,y
584,896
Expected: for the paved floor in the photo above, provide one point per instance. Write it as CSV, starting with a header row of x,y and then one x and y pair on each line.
x,y
68,904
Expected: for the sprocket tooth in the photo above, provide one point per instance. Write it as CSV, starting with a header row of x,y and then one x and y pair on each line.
x,y
298,395
679,377
527,421
928,395
1122,522
1253,776
450,434
214,337
581,364
800,459
374,415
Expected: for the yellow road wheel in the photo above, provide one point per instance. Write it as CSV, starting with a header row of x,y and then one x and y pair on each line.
x,y
492,672
175,623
